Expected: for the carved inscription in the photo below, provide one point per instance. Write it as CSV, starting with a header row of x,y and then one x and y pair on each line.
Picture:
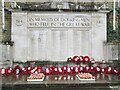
x,y
58,21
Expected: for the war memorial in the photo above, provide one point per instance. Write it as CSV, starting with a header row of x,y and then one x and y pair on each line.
x,y
57,44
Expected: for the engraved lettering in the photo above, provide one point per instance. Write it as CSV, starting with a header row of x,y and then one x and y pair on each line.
x,y
58,21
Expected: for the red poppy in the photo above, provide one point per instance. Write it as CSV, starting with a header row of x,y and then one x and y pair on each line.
x,y
9,70
86,59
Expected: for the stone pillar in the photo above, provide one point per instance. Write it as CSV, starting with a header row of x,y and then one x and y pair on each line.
x,y
19,36
98,34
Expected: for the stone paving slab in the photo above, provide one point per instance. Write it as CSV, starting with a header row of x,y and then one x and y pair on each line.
x,y
15,82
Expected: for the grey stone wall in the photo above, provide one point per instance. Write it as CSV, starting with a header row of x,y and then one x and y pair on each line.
x,y
111,51
7,32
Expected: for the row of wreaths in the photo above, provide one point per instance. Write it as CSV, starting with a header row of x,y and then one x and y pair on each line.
x,y
59,70
81,59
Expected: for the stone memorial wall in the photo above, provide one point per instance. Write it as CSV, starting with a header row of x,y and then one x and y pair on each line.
x,y
54,36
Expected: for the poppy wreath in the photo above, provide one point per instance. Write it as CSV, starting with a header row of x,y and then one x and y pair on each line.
x,y
81,58
104,70
109,70
60,70
3,71
82,69
9,70
91,69
55,70
69,70
64,68
86,59
97,69
115,71
17,70
39,69
76,69
35,70
24,70
47,71
87,69
28,69
76,59
69,59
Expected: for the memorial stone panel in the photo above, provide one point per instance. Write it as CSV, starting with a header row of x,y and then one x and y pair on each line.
x,y
56,36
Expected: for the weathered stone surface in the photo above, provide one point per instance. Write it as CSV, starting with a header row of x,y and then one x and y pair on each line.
x,y
63,81
56,41
111,51
5,53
